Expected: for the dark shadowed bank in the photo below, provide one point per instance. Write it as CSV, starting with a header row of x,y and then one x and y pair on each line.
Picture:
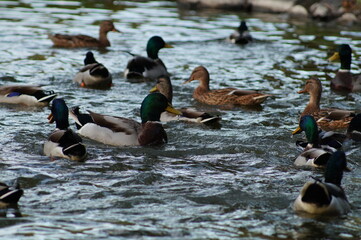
x,y
342,11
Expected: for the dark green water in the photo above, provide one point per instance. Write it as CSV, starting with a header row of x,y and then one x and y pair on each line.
x,y
238,181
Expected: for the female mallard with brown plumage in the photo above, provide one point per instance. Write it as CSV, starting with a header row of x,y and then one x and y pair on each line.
x,y
327,119
344,79
164,86
26,95
118,131
225,96
75,41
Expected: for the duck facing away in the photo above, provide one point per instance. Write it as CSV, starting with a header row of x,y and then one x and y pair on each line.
x,y
164,86
328,197
63,142
241,35
93,74
9,196
151,67
344,79
75,41
26,95
225,96
329,118
119,131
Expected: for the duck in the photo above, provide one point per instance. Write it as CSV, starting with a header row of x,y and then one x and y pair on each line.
x,y
63,142
164,86
344,80
241,35
328,197
8,195
119,131
93,74
329,118
225,96
27,95
81,41
151,67
317,150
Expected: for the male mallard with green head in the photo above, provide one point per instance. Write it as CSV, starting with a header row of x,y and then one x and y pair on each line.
x,y
329,118
93,74
344,79
150,67
225,96
118,131
26,95
241,35
75,41
328,197
63,142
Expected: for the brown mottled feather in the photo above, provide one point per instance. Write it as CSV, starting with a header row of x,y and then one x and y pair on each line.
x,y
24,89
74,41
327,119
225,96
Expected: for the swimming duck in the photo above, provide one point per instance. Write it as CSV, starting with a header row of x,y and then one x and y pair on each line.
x,y
75,41
26,95
316,151
63,142
225,96
94,74
329,118
344,79
241,35
164,86
118,131
150,67
9,196
328,197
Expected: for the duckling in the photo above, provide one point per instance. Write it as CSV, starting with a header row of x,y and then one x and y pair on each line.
x,y
9,196
94,74
225,96
344,79
26,95
329,118
63,142
325,198
241,35
76,41
151,67
164,86
118,131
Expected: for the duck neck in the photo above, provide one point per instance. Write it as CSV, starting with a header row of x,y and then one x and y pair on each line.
x,y
345,62
152,53
103,39
314,103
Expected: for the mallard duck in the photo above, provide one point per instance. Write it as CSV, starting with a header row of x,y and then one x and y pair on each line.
x,y
344,79
316,151
241,35
9,196
325,198
118,131
327,119
26,95
94,74
63,142
150,67
75,41
225,96
164,86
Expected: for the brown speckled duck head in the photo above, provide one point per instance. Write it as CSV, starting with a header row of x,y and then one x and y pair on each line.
x,y
164,86
107,26
201,74
314,88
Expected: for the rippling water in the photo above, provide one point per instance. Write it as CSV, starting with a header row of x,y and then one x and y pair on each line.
x,y
234,182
